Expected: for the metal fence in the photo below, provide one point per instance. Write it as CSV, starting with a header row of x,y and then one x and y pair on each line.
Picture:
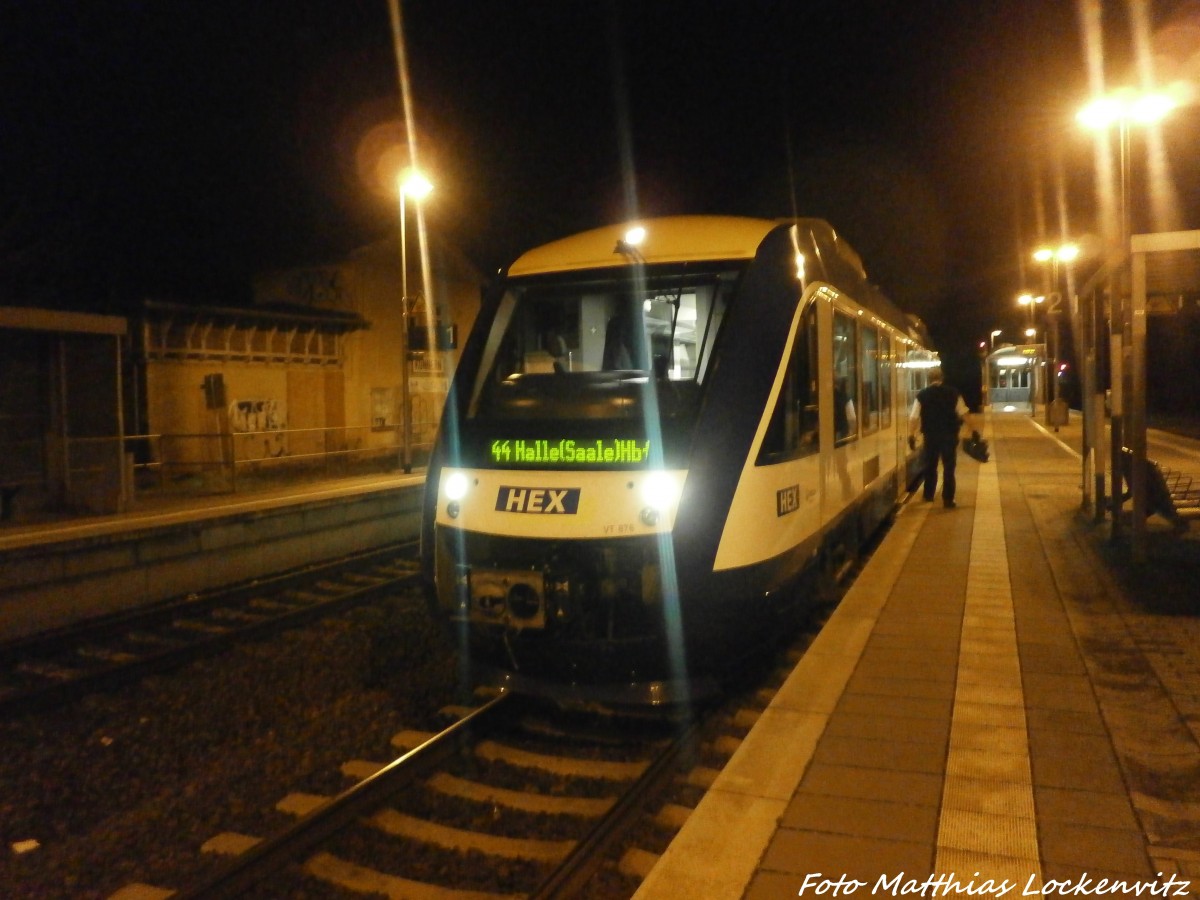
x,y
49,474
255,460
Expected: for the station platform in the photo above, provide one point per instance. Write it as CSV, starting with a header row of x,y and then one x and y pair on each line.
x,y
1001,706
57,572
157,512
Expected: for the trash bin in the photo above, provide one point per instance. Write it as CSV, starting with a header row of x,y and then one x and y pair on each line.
x,y
1057,413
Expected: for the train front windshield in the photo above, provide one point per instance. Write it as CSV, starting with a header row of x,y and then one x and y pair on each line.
x,y
603,356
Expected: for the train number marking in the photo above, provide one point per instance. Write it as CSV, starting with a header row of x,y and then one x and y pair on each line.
x,y
542,501
787,500
621,528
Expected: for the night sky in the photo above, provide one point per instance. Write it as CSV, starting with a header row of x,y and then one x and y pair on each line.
x,y
172,149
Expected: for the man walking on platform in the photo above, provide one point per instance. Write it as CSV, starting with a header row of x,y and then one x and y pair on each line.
x,y
938,413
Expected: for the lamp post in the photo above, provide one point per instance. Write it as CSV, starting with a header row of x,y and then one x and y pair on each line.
x,y
1030,302
985,368
412,184
1125,108
1066,253
1035,381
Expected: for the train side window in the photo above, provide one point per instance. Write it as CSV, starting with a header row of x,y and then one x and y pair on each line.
x,y
793,431
845,378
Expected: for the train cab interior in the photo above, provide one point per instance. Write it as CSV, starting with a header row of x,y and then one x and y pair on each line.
x,y
562,349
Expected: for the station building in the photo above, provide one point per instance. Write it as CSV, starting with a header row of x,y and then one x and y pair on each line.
x,y
1015,377
308,379
61,390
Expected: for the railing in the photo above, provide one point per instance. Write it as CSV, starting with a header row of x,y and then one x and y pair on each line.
x,y
50,475
254,460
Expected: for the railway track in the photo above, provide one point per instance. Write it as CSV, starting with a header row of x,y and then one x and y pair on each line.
x,y
51,669
508,801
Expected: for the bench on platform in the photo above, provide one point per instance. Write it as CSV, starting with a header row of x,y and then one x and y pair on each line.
x,y
1168,493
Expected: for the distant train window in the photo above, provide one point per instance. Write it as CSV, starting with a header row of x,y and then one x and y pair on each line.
x,y
794,429
918,371
589,348
869,414
845,378
916,366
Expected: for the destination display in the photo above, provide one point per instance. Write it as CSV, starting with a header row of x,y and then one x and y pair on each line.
x,y
565,451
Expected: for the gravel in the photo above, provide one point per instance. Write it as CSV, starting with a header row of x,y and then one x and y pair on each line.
x,y
127,786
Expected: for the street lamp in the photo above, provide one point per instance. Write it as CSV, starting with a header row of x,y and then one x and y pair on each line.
x,y
995,334
1065,253
1030,302
411,184
1035,362
1123,108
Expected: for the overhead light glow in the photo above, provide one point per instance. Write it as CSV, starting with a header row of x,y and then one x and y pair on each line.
x,y
1150,108
1126,106
634,236
1100,113
414,184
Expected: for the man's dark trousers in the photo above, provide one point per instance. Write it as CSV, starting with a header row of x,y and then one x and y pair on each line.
x,y
945,449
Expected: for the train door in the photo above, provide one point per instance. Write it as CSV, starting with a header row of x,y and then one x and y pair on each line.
x,y
842,476
916,365
873,444
891,428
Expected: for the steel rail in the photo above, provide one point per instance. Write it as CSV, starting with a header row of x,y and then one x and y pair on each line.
x,y
105,676
115,623
348,807
570,877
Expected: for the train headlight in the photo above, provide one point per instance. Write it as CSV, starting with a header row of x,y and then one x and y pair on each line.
x,y
454,489
455,486
660,493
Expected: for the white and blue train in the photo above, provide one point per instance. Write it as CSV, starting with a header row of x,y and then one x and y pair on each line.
x,y
663,441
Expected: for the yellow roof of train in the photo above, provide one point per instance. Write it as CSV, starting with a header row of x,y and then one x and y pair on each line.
x,y
669,239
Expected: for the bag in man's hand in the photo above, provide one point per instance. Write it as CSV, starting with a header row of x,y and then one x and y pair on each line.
x,y
976,447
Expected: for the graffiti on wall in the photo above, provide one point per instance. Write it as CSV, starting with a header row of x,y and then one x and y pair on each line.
x,y
255,415
383,406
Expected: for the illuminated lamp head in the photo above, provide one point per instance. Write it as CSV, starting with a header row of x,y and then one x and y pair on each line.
x,y
660,492
627,245
455,486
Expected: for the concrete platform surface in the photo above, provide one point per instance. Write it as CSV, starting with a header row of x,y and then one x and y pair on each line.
x,y
1003,705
